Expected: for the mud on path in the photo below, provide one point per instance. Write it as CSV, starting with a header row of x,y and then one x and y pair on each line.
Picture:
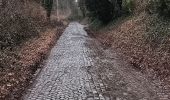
x,y
78,68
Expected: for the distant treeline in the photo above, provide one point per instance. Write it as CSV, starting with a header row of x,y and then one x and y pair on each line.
x,y
106,10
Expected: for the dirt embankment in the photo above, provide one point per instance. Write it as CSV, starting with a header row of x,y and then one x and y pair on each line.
x,y
142,40
15,79
26,37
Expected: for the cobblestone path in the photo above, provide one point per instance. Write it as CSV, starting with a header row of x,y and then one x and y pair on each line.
x,y
78,69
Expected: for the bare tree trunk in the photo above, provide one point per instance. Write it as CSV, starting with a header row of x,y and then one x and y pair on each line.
x,y
57,11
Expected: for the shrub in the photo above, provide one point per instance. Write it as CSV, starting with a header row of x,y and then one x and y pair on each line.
x,y
100,9
158,32
160,6
19,21
128,6
48,4
106,10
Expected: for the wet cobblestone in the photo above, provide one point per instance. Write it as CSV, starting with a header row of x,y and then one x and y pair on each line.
x,y
65,75
79,69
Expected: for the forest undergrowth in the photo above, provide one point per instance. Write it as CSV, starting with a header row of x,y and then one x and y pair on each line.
x,y
142,38
26,37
